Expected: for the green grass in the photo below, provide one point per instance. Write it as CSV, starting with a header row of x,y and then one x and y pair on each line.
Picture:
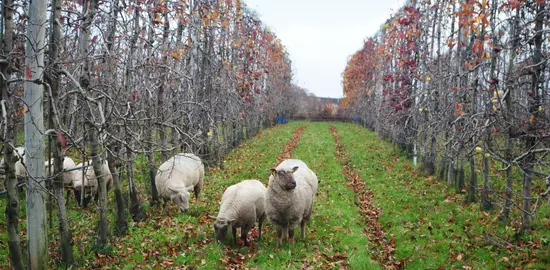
x,y
166,235
336,227
431,226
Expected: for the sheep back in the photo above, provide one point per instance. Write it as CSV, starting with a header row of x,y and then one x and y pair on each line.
x,y
68,163
177,176
179,172
244,202
241,205
90,179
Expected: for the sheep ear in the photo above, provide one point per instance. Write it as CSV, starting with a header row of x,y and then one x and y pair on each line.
x,y
273,171
294,169
189,188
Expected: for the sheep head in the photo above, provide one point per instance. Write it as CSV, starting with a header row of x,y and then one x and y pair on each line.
x,y
221,226
284,178
181,198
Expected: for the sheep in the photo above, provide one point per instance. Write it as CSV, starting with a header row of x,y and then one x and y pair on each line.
x,y
90,180
241,205
289,200
68,164
179,175
20,169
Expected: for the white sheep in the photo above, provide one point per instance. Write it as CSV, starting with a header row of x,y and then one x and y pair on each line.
x,y
20,170
90,179
179,175
289,200
68,174
242,204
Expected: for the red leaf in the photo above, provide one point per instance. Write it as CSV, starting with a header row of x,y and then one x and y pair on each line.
x,y
62,139
28,74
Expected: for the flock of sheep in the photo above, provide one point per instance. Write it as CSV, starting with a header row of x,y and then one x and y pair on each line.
x,y
286,202
78,177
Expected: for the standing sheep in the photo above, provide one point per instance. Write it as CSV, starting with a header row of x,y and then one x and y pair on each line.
x,y
291,189
179,175
90,180
241,205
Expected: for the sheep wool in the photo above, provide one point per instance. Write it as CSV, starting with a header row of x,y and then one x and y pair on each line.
x,y
177,176
242,204
68,164
90,179
289,200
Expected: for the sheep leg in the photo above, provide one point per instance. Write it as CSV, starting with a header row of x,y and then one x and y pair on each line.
x,y
86,201
279,237
260,223
77,196
234,231
67,196
244,234
197,191
291,235
302,228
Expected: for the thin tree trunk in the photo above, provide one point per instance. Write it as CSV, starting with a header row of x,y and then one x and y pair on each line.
x,y
472,185
160,92
121,223
510,130
34,138
121,227
451,177
152,170
12,206
149,133
92,132
536,86
66,247
460,177
135,205
63,222
486,204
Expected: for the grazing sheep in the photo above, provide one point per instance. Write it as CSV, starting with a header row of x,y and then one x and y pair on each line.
x,y
90,180
177,176
241,205
68,164
20,170
289,200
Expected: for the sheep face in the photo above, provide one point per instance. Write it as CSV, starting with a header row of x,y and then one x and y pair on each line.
x,y
284,178
220,228
181,199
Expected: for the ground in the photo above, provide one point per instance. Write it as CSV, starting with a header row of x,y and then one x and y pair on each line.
x,y
372,211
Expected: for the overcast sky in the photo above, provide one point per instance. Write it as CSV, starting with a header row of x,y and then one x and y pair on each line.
x,y
320,35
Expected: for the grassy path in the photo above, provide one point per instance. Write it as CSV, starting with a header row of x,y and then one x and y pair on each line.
x,y
372,211
384,249
335,237
431,227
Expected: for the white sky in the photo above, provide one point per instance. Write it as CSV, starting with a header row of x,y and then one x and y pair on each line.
x,y
320,35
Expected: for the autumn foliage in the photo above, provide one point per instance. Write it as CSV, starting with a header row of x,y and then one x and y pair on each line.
x,y
444,78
